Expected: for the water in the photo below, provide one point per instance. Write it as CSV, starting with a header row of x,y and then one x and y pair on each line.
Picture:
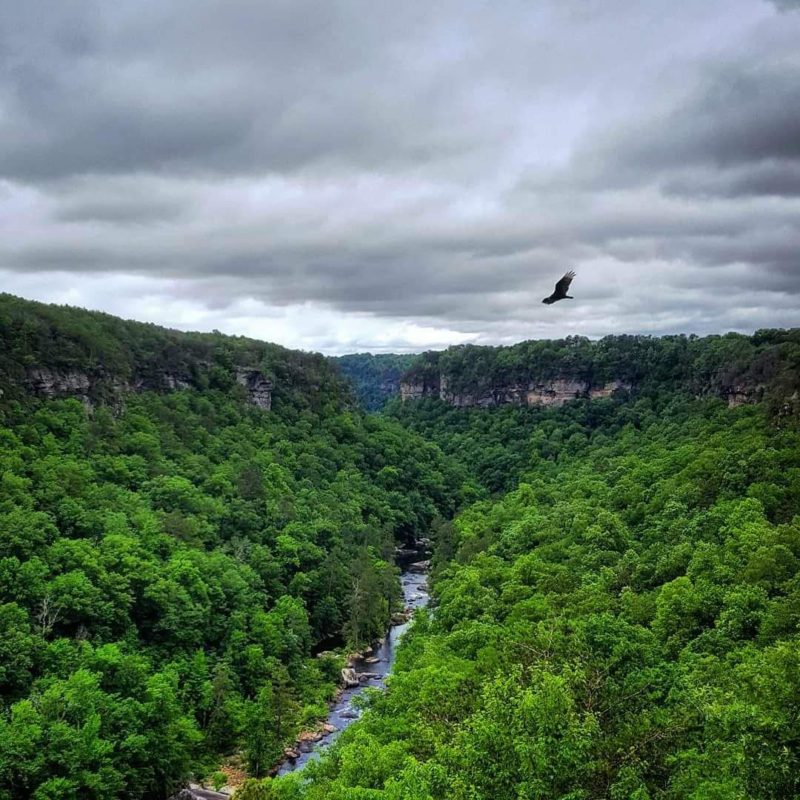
x,y
343,712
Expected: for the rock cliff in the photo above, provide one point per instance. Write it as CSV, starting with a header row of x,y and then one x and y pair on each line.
x,y
98,386
736,368
531,393
259,388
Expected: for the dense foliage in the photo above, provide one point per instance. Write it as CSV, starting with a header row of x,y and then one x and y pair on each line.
x,y
168,568
110,351
624,624
375,378
709,365
496,445
617,600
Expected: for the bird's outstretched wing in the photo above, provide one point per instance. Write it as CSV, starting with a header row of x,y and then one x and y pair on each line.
x,y
562,287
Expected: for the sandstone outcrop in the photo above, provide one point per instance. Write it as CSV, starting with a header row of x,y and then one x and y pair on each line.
x,y
258,387
98,387
555,392
349,678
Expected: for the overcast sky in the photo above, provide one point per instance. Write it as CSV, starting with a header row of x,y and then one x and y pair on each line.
x,y
358,175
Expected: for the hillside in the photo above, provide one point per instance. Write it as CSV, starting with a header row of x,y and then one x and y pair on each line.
x,y
172,552
58,351
187,520
737,368
621,617
375,378
623,624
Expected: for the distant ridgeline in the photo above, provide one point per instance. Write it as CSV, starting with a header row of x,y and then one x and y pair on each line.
x,y
375,378
58,351
175,552
739,369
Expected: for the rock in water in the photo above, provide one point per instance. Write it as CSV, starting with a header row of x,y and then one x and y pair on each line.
x,y
349,677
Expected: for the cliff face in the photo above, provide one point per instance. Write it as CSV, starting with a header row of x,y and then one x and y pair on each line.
x,y
547,393
736,368
557,392
93,387
259,388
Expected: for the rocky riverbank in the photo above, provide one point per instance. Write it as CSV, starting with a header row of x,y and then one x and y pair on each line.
x,y
369,668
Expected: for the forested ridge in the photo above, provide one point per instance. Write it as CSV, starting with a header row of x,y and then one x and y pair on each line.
x,y
110,353
621,619
375,378
616,590
169,562
718,365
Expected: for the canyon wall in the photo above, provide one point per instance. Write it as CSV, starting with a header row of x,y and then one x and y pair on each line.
x,y
97,386
531,393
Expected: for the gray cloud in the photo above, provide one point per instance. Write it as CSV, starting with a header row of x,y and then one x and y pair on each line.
x,y
771,178
738,115
422,169
226,88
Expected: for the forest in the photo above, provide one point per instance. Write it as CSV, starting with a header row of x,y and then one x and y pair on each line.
x,y
168,569
709,365
375,378
616,582
623,623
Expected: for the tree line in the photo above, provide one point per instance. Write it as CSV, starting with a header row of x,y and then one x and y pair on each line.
x,y
170,566
623,622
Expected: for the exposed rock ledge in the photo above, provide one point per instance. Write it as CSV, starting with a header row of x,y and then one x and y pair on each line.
x,y
92,388
258,387
551,393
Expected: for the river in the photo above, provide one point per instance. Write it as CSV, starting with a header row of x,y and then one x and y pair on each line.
x,y
373,673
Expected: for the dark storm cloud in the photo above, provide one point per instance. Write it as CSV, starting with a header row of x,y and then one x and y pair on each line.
x,y
440,164
222,87
739,115
770,179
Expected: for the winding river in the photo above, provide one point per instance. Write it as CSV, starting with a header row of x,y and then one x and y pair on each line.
x,y
373,669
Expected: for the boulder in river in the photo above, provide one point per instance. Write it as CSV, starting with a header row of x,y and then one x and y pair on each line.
x,y
328,728
419,566
349,677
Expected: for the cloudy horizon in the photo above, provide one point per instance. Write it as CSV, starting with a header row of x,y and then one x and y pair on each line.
x,y
359,176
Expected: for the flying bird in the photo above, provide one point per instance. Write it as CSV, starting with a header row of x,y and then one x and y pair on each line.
x,y
562,287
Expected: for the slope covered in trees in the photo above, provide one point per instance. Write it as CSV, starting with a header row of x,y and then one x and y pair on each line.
x,y
107,353
616,582
376,378
625,623
736,367
169,562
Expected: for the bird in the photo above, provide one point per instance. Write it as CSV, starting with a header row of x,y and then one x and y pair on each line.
x,y
560,292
